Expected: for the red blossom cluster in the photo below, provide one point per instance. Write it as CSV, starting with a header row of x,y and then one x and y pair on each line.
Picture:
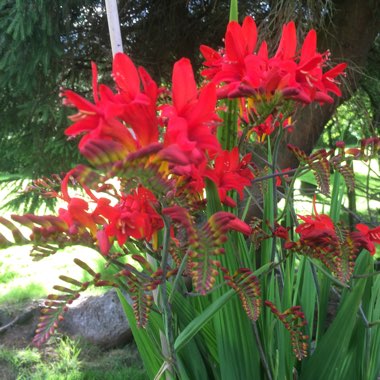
x,y
179,137
131,120
293,74
319,231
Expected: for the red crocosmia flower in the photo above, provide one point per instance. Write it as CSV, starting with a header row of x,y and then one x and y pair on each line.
x,y
240,72
77,216
329,82
104,242
213,61
317,230
229,173
228,65
241,40
113,117
278,178
139,105
288,42
265,129
99,120
270,124
191,117
281,232
134,216
225,221
191,175
366,238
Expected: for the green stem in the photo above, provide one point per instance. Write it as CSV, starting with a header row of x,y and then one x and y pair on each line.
x,y
261,351
289,192
332,278
374,323
178,276
365,275
234,10
274,175
165,304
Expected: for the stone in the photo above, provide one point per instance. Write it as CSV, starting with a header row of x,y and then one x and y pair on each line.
x,y
99,320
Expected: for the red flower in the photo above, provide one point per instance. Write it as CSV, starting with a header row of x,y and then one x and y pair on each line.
x,y
243,73
139,106
265,129
191,176
330,84
229,173
229,66
78,216
98,121
281,232
365,237
317,230
288,42
278,178
191,118
214,61
134,216
225,221
122,122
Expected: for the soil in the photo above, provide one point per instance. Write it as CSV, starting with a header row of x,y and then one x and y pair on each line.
x,y
18,324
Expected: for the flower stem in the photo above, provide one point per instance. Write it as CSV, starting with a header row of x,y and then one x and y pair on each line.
x,y
261,351
165,303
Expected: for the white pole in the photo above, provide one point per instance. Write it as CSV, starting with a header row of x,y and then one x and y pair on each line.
x,y
114,26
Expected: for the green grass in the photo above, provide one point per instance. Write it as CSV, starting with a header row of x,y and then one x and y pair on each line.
x,y
23,279
16,294
71,360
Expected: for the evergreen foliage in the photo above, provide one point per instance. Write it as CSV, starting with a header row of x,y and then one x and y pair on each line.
x,y
43,46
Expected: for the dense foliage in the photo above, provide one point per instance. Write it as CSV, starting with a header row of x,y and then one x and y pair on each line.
x,y
158,200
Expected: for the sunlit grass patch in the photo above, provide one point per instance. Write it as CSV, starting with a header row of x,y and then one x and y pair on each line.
x,y
71,360
21,278
14,294
6,274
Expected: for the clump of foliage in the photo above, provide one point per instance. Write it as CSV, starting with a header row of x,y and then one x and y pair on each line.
x,y
214,295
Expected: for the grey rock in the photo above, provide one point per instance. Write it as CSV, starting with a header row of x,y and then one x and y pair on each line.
x,y
98,320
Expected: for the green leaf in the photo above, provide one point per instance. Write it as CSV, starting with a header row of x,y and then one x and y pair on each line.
x,y
373,314
185,309
147,340
327,360
201,320
227,132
